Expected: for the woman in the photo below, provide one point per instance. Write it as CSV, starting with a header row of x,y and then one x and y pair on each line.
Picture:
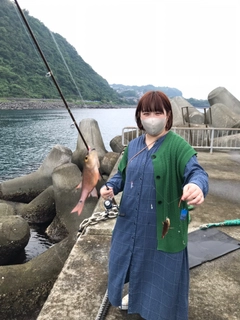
x,y
160,176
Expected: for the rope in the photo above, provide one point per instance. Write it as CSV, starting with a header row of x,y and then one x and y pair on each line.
x,y
235,222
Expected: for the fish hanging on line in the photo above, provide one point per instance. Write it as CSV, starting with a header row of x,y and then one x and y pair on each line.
x,y
166,226
90,178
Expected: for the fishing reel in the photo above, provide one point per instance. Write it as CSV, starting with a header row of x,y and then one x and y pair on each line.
x,y
108,204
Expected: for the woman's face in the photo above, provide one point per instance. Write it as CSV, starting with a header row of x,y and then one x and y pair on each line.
x,y
154,123
156,114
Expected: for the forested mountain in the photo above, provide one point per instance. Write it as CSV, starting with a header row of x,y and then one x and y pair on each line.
x,y
133,93
23,73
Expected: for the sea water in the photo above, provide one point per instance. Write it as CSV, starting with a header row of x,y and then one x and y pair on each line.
x,y
27,136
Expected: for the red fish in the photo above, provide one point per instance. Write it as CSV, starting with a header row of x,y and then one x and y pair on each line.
x,y
90,177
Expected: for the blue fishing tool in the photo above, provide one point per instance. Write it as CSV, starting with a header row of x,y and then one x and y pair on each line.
x,y
183,214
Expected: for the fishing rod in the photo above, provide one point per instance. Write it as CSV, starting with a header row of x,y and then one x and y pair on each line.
x,y
50,72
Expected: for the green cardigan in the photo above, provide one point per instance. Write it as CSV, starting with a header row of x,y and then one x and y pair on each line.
x,y
169,164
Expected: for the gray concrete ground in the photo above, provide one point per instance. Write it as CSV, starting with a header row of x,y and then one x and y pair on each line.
x,y
214,286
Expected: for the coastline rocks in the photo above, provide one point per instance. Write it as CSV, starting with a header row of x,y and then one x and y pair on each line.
x,y
192,138
183,110
116,144
39,210
177,113
234,140
43,104
65,179
223,117
50,194
6,209
25,189
92,135
25,287
108,162
222,95
196,117
224,112
14,236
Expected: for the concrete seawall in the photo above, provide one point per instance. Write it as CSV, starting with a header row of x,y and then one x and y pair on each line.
x,y
214,288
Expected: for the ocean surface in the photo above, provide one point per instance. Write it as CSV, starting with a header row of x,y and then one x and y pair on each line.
x,y
27,136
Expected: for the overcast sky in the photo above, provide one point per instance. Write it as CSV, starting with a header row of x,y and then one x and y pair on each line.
x,y
191,45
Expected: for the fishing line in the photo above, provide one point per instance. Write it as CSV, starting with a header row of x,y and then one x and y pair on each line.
x,y
65,63
144,148
50,72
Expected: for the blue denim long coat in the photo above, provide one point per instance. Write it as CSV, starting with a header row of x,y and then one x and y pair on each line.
x,y
158,281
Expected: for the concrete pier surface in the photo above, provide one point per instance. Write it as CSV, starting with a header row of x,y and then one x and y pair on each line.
x,y
214,285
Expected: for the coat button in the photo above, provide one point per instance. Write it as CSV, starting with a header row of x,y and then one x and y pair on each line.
x,y
158,177
153,156
159,202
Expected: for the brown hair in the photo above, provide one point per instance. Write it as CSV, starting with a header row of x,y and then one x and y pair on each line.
x,y
153,101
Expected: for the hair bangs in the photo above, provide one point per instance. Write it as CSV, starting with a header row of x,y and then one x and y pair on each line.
x,y
152,103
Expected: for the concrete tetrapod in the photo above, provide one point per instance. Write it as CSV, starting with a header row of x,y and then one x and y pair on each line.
x,y
49,193
26,188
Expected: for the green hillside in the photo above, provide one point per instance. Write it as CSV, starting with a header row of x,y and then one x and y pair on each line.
x,y
138,91
23,73
133,93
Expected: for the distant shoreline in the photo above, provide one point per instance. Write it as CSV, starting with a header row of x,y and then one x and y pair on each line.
x,y
36,104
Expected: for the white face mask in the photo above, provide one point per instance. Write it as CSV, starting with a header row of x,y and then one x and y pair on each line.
x,y
154,126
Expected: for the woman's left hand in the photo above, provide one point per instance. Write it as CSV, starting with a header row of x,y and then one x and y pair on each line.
x,y
192,194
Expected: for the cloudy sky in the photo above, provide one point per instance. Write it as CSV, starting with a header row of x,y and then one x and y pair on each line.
x,y
191,45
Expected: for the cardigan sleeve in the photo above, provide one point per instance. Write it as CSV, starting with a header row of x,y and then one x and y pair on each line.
x,y
194,173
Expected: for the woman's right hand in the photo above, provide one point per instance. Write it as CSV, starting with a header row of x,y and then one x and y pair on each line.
x,y
106,192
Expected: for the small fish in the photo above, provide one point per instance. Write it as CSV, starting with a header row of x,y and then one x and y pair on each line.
x,y
166,226
90,177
